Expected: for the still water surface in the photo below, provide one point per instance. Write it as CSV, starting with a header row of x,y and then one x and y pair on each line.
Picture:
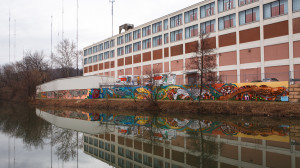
x,y
38,137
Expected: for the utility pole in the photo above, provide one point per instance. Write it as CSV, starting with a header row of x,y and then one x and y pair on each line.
x,y
77,42
112,17
62,15
51,56
9,36
15,38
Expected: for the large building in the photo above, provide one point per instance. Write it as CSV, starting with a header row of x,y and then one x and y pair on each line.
x,y
254,39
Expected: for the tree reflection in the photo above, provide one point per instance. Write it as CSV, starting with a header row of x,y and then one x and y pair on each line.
x,y
21,121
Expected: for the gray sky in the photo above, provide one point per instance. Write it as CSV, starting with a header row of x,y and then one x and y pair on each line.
x,y
33,21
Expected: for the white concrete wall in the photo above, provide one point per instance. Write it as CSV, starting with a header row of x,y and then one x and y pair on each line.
x,y
82,82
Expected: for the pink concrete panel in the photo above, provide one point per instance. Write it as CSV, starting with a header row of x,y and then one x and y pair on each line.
x,y
250,55
228,58
296,49
177,65
128,71
146,69
137,70
228,76
297,71
166,67
277,52
158,68
249,75
112,73
179,80
279,72
106,73
101,74
121,72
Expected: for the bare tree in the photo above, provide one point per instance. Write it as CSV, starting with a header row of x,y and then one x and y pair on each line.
x,y
66,56
203,65
153,86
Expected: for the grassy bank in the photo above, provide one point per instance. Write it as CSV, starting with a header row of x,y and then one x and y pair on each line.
x,y
241,108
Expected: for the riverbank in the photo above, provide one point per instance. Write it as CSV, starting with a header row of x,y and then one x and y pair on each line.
x,y
241,108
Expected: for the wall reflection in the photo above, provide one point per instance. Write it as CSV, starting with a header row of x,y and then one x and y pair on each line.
x,y
156,141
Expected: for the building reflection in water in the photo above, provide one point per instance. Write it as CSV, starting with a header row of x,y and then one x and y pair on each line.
x,y
153,141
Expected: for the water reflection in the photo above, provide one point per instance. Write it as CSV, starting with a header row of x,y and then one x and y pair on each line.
x,y
123,140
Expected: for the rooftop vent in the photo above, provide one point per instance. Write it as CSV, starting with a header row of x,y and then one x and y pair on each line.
x,y
126,27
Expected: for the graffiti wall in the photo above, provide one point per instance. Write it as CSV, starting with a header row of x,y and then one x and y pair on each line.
x,y
263,91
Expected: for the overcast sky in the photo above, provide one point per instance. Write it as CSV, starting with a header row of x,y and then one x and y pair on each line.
x,y
33,21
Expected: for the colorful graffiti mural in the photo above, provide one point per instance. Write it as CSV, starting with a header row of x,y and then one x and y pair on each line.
x,y
272,91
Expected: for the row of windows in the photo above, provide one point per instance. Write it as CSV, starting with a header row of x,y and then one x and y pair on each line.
x,y
272,9
100,57
99,153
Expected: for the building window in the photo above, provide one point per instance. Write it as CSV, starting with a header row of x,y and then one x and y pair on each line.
x,y
296,5
120,51
147,43
107,146
157,41
128,37
85,61
85,53
245,2
190,15
94,49
95,58
275,8
227,22
107,157
120,40
106,45
101,144
191,31
100,57
225,5
137,34
112,43
137,46
248,16
113,159
90,60
112,148
166,24
176,21
207,10
166,38
129,154
90,51
156,27
147,161
128,49
106,55
146,31
137,157
112,53
100,47
176,35
120,151
208,26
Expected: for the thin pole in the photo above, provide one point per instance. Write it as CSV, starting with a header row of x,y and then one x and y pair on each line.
x,y
51,57
15,38
62,27
9,36
77,44
77,149
9,152
112,17
51,145
14,152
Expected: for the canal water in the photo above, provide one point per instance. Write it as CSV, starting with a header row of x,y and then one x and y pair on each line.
x,y
43,137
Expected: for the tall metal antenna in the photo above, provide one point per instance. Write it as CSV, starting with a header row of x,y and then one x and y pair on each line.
x,y
14,151
9,36
77,46
15,38
51,56
112,17
62,12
